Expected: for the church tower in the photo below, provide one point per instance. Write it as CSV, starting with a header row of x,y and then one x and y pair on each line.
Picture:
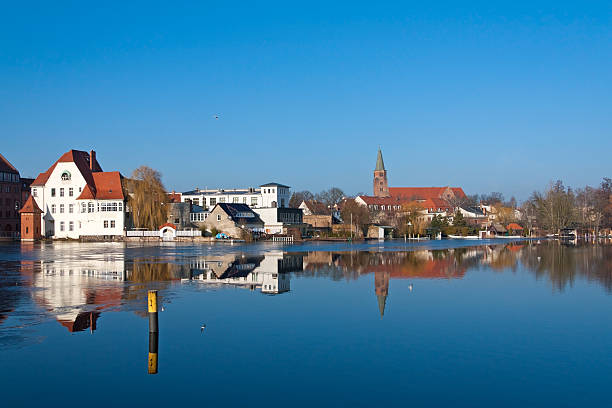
x,y
381,186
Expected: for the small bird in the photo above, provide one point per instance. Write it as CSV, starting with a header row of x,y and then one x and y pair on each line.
x,y
410,287
202,327
216,117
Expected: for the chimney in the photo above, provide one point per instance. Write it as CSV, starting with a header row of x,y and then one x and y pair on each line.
x,y
92,159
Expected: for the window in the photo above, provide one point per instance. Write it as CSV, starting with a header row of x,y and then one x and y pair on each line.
x,y
120,206
66,175
70,192
61,208
90,207
218,217
71,226
213,201
34,193
27,230
112,223
52,208
105,223
253,200
222,199
236,200
83,207
244,199
71,208
52,192
61,192
61,225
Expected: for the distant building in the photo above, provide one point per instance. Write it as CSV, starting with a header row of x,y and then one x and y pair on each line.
x,y
234,220
78,199
432,200
10,200
269,195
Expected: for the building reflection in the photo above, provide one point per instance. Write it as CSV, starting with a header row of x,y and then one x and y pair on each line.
x,y
269,272
75,293
76,288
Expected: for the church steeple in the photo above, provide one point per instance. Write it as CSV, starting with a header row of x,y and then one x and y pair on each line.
x,y
380,164
381,186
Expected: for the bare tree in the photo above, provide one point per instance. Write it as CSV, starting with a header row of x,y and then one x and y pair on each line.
x,y
299,196
555,208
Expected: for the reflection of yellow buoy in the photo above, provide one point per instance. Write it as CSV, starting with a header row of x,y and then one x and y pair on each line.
x,y
153,331
153,338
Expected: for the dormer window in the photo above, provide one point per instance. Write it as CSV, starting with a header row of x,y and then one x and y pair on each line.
x,y
66,176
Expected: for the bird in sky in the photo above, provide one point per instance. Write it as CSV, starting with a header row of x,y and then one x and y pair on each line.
x,y
216,117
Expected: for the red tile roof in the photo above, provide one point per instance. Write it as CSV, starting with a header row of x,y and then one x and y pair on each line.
x,y
423,192
6,166
174,197
30,206
99,185
108,185
514,226
78,157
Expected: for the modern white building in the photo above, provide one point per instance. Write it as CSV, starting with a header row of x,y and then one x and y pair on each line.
x,y
78,199
276,219
269,195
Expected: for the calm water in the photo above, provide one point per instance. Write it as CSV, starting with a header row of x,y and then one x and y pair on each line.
x,y
424,324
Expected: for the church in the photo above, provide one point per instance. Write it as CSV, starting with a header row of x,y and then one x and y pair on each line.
x,y
434,200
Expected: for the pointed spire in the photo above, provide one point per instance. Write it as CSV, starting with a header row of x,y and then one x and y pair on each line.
x,y
382,301
380,164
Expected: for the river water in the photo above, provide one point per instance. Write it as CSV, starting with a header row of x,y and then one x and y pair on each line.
x,y
441,323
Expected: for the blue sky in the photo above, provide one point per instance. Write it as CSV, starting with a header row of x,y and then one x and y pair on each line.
x,y
491,97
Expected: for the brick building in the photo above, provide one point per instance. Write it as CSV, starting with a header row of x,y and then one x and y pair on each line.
x,y
10,200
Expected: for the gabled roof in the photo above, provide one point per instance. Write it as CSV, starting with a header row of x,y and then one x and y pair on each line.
x,y
6,166
108,185
30,206
80,159
424,192
316,207
237,212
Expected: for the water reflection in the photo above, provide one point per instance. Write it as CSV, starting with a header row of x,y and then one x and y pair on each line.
x,y
269,272
75,288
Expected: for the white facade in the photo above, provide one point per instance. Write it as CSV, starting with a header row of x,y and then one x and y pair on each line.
x,y
66,217
265,196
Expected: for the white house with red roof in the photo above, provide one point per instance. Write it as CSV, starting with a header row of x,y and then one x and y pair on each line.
x,y
78,199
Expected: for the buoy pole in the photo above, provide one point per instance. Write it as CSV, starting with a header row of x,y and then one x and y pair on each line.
x,y
153,331
153,322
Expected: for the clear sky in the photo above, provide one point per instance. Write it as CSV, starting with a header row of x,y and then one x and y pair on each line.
x,y
490,96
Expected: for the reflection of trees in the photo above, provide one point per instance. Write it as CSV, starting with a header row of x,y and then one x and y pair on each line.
x,y
448,263
562,264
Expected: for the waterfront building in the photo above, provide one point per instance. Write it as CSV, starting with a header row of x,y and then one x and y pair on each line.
x,y
278,220
234,220
270,195
78,199
10,200
30,221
